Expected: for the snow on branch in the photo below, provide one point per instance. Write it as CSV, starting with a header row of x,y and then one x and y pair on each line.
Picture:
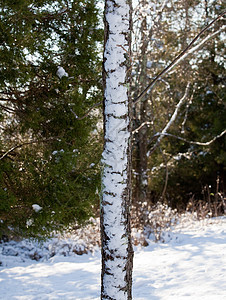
x,y
142,125
164,132
61,72
172,119
187,51
194,143
210,36
182,55
186,113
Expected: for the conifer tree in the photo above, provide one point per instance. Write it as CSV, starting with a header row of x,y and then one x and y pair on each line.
x,y
49,77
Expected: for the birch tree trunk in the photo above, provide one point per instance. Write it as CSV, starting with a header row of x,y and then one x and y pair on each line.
x,y
117,252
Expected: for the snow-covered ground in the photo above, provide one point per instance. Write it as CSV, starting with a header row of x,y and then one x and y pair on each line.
x,y
191,264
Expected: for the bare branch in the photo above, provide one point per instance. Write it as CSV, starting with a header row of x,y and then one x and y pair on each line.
x,y
197,47
6,108
87,113
24,144
186,113
172,119
178,58
181,56
195,143
142,125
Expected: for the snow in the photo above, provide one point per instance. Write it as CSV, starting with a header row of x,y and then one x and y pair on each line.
x,y
149,64
191,264
61,72
114,158
29,222
36,207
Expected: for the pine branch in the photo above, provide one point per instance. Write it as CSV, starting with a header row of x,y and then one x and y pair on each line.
x,y
178,58
24,144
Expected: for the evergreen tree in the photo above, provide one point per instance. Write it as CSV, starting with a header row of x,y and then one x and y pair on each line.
x,y
50,77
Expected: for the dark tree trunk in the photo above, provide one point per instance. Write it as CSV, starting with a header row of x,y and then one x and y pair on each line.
x,y
140,192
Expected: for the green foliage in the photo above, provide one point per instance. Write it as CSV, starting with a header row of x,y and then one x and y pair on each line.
x,y
192,167
51,150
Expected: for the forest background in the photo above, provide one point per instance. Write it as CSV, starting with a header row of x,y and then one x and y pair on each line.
x,y
51,136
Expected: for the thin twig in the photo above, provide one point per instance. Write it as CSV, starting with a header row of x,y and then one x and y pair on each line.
x,y
24,144
8,109
172,119
197,47
142,125
87,113
167,174
186,113
172,64
191,142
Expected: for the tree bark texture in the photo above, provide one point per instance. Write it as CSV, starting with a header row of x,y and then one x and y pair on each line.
x,y
140,193
117,251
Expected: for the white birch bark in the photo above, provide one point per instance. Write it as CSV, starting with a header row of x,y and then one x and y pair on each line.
x,y
116,178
